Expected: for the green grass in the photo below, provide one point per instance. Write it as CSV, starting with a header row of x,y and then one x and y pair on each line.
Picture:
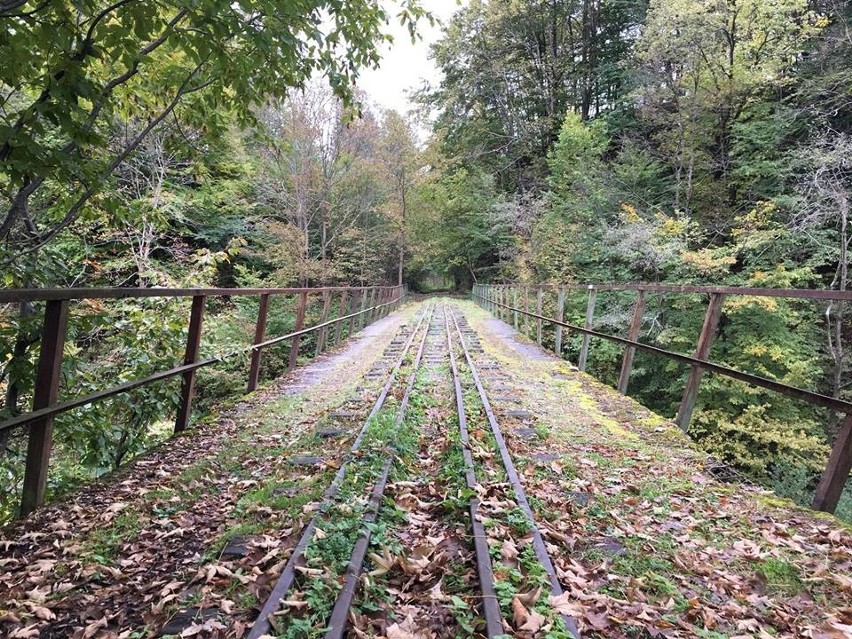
x,y
782,576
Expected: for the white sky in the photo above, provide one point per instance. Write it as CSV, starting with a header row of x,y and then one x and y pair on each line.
x,y
405,65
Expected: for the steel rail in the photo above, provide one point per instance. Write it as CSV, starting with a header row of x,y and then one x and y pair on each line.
x,y
520,494
340,612
490,605
58,294
793,293
262,625
792,391
62,407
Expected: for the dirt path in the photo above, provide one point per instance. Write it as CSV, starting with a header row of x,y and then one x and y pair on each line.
x,y
645,541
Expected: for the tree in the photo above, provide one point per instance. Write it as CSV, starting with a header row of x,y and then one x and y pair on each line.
x,y
512,70
702,63
71,68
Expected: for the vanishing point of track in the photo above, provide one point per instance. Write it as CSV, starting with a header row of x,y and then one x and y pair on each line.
x,y
455,331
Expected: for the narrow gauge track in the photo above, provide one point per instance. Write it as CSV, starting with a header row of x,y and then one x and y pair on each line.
x,y
263,626
491,613
340,612
490,605
506,458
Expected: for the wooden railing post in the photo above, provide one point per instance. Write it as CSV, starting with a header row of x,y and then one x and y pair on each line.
x,y
259,334
702,350
560,316
526,310
46,390
837,469
515,304
341,311
590,317
632,335
321,335
300,324
193,343
538,300
501,312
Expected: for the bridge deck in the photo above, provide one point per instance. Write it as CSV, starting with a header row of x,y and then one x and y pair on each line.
x,y
646,540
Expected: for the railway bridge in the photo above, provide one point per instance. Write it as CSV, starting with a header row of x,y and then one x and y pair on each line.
x,y
419,470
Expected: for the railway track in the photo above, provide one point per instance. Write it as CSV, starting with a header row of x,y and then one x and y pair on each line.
x,y
263,624
443,342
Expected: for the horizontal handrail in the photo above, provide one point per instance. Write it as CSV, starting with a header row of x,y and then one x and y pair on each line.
x,y
798,293
785,389
59,294
52,411
837,469
373,300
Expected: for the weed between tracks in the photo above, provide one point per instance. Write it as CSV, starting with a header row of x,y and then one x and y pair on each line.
x,y
312,597
520,581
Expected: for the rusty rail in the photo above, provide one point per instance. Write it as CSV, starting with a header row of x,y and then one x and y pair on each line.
x,y
46,407
539,546
262,625
839,464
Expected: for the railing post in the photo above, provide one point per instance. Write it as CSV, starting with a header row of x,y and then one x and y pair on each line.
x,y
538,296
560,317
515,305
341,311
321,336
40,439
259,333
590,316
702,350
836,472
371,313
193,343
300,324
501,311
362,317
526,310
632,335
353,304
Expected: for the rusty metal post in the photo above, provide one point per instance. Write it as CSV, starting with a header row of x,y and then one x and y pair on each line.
x,y
300,324
323,332
526,310
515,305
538,300
341,311
590,316
702,350
370,305
836,472
40,439
560,316
259,333
362,317
353,304
193,343
632,335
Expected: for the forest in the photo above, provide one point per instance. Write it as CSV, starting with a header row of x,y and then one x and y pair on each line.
x,y
170,143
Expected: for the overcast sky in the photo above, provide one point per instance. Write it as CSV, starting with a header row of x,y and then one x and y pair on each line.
x,y
405,65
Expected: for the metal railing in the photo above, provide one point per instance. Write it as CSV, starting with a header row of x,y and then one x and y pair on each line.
x,y
357,305
495,298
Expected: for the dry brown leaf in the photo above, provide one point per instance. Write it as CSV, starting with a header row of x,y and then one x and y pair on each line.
x,y
92,629
530,597
534,622
519,612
